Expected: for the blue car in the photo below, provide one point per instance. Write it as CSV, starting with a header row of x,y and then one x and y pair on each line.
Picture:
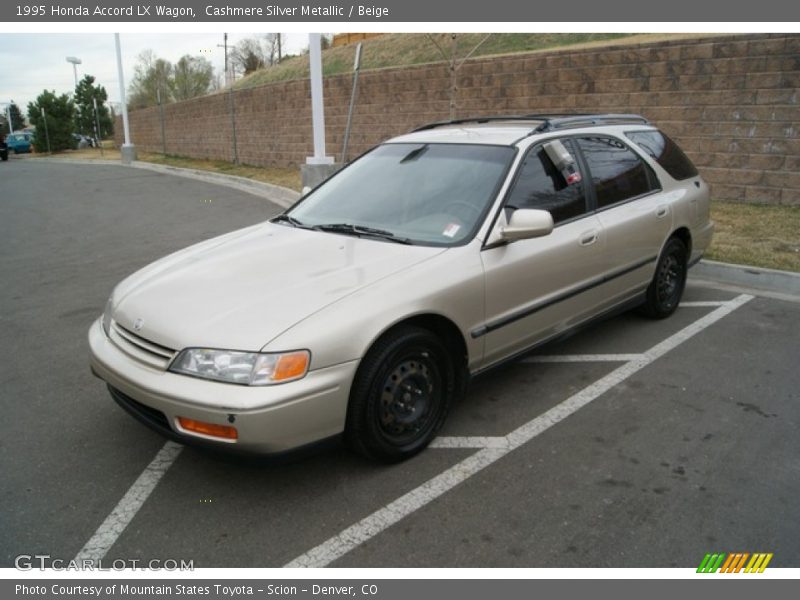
x,y
19,142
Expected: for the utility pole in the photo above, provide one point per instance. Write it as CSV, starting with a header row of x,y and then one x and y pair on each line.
x,y
225,45
279,48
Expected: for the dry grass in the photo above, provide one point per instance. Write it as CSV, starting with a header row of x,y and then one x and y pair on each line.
x,y
286,177
401,49
758,235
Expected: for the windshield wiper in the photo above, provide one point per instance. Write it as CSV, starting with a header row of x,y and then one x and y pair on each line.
x,y
284,218
359,230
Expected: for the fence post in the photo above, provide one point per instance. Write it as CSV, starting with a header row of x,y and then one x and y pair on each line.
x,y
233,125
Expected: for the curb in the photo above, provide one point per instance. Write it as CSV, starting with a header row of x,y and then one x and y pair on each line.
x,y
747,276
276,194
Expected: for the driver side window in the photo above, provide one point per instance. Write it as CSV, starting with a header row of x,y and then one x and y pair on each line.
x,y
542,185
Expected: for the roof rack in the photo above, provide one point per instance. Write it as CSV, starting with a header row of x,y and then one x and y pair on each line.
x,y
568,121
549,121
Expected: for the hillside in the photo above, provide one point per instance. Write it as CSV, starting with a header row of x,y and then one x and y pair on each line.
x,y
400,49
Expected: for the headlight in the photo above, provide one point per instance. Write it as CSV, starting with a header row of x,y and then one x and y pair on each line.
x,y
107,316
245,368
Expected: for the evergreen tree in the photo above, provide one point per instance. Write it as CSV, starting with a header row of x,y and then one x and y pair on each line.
x,y
60,115
85,94
17,122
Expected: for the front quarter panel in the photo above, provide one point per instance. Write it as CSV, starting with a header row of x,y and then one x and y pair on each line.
x,y
450,284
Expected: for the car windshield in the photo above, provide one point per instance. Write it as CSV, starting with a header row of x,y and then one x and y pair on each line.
x,y
415,193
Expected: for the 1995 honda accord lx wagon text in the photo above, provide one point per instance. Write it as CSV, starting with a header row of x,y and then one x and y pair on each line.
x,y
366,307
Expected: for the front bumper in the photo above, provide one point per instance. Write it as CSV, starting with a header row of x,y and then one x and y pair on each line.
x,y
268,419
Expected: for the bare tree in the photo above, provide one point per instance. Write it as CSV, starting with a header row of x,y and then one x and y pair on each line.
x,y
192,77
272,43
248,55
151,76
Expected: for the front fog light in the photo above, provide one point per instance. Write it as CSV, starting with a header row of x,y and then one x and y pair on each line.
x,y
245,368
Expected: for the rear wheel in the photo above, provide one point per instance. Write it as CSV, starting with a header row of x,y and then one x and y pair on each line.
x,y
666,289
401,395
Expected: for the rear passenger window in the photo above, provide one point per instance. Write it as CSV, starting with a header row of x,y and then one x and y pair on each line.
x,y
542,185
665,152
617,172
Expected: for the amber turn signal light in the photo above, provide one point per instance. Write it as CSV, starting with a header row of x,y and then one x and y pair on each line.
x,y
211,429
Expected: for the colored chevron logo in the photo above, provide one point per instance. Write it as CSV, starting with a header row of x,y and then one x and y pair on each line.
x,y
735,562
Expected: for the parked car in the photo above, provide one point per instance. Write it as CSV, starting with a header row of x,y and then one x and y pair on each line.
x,y
365,308
18,142
81,141
3,150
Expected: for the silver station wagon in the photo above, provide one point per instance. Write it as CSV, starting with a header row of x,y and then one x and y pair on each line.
x,y
365,309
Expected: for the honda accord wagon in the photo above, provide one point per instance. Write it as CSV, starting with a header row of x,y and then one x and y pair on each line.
x,y
364,309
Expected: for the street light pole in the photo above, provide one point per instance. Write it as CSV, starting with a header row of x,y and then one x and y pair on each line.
x,y
318,167
75,62
128,150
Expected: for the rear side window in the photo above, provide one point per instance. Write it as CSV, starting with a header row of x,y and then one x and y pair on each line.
x,y
665,152
618,174
541,185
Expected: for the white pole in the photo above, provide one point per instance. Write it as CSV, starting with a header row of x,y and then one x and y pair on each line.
x,y
75,73
10,124
128,152
317,102
122,92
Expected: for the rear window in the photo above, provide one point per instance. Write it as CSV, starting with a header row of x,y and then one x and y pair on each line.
x,y
665,152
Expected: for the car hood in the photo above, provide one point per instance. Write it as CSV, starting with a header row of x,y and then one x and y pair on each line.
x,y
243,289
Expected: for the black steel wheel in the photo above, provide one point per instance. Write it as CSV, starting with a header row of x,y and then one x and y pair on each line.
x,y
666,289
401,395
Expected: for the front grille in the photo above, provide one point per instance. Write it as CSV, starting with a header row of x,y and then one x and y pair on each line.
x,y
147,415
140,348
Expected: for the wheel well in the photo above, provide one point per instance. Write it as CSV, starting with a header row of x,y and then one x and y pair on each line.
x,y
446,330
683,235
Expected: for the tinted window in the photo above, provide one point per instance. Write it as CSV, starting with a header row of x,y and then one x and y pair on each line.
x,y
540,185
617,172
665,152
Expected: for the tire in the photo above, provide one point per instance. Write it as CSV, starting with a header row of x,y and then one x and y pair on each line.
x,y
666,289
401,395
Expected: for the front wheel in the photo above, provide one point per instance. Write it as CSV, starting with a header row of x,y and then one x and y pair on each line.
x,y
666,289
401,395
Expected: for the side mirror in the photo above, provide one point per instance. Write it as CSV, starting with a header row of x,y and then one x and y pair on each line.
x,y
526,223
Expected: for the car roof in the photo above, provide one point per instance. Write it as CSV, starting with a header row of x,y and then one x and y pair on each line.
x,y
510,129
495,133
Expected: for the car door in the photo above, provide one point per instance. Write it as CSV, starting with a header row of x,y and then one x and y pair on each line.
x,y
635,217
538,287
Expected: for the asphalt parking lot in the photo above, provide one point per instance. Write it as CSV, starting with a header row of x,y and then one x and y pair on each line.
x,y
631,444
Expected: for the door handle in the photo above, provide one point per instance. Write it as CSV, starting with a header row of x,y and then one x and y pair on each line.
x,y
588,237
662,211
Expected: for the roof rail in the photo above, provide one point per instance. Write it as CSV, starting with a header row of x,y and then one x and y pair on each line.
x,y
485,119
549,121
568,121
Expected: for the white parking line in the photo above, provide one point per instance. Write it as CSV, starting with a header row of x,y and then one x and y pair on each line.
x,y
562,358
470,442
108,533
358,533
702,303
